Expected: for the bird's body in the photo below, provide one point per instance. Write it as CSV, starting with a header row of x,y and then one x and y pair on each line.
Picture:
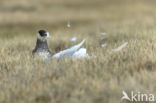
x,y
44,53
42,49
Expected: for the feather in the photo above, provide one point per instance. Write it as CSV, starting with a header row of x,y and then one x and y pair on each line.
x,y
68,52
103,45
73,39
81,53
120,47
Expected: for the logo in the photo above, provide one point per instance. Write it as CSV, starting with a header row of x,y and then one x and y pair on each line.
x,y
137,97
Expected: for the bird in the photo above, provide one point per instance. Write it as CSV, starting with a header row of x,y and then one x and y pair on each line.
x,y
42,49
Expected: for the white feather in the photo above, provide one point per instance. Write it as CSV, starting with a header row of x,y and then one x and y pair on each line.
x,y
68,24
73,39
103,45
103,33
81,53
120,47
68,52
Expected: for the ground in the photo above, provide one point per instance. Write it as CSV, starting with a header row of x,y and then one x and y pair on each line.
x,y
24,79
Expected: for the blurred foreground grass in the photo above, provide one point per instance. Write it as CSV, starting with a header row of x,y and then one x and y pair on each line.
x,y
24,79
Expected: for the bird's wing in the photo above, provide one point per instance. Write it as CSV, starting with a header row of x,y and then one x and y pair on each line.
x,y
68,52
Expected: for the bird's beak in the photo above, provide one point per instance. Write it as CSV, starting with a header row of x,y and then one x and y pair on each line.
x,y
48,35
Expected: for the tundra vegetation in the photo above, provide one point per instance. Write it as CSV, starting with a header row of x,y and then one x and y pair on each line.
x,y
24,79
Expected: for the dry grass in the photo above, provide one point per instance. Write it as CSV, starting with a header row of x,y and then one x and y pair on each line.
x,y
24,79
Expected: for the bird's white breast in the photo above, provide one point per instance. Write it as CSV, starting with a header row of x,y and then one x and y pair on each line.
x,y
44,55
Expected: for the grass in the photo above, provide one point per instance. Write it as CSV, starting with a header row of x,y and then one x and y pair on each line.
x,y
24,79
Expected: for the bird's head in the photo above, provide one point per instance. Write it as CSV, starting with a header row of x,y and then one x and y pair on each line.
x,y
42,34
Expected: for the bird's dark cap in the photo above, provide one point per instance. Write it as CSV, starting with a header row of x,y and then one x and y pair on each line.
x,y
42,33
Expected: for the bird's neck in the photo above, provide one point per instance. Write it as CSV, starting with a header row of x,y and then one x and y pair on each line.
x,y
42,44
